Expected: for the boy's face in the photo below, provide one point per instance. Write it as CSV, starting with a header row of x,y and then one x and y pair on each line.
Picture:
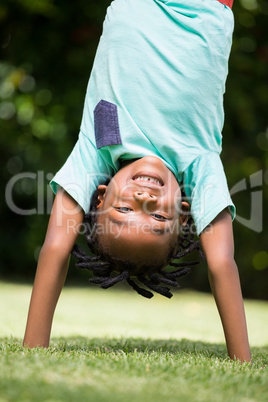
x,y
139,211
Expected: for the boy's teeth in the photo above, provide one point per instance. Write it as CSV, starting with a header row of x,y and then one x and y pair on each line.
x,y
149,179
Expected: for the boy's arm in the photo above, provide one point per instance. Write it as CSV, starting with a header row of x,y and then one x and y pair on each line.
x,y
217,243
52,268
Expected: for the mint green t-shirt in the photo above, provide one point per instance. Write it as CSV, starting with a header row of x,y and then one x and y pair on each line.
x,y
156,88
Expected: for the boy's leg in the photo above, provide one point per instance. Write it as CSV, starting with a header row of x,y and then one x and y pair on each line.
x,y
218,245
52,268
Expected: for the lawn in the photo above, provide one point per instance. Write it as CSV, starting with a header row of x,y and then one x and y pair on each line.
x,y
116,346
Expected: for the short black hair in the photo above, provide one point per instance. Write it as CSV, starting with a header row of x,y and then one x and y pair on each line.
x,y
108,270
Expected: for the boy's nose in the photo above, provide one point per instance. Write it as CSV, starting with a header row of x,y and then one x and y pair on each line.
x,y
143,196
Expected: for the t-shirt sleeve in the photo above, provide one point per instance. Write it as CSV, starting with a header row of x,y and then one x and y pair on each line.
x,y
82,172
207,190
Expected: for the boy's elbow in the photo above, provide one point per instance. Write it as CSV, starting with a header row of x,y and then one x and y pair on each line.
x,y
223,264
54,248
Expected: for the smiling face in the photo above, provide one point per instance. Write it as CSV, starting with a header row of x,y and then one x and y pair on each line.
x,y
139,212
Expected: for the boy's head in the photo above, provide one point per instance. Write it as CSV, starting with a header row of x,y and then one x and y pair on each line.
x,y
135,224
139,214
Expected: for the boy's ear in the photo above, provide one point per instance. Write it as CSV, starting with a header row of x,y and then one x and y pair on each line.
x,y
101,194
184,212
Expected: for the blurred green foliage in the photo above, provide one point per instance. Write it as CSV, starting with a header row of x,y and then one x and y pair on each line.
x,y
47,50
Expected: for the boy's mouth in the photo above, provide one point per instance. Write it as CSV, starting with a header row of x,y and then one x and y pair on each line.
x,y
145,178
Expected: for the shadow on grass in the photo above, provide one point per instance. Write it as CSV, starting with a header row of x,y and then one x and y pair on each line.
x,y
148,346
140,345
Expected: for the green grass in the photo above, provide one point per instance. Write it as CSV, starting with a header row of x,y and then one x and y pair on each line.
x,y
117,346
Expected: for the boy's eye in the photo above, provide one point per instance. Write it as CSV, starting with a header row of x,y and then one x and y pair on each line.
x,y
123,209
159,217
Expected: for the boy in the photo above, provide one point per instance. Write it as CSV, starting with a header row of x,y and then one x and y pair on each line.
x,y
153,116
